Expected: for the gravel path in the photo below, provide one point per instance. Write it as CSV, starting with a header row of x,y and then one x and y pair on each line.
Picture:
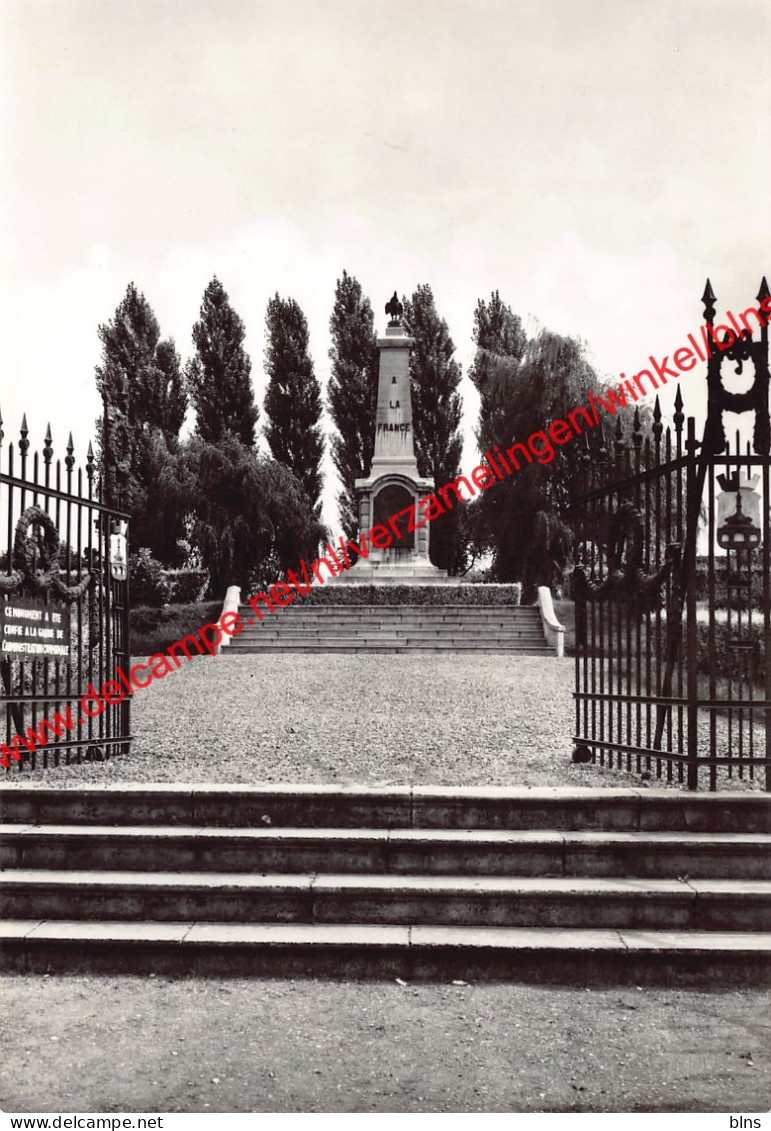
x,y
435,719
441,719
106,1044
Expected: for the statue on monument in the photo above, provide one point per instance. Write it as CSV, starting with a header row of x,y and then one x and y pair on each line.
x,y
395,309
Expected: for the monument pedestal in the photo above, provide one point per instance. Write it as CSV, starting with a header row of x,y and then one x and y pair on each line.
x,y
380,569
393,485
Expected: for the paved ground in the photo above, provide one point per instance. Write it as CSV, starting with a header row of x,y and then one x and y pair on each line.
x,y
153,1044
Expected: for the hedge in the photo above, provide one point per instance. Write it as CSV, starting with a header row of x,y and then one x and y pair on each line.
x,y
732,661
739,597
413,595
727,659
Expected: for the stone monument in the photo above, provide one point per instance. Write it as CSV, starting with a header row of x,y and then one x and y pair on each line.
x,y
393,483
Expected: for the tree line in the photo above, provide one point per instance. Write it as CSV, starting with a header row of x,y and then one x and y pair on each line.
x,y
215,501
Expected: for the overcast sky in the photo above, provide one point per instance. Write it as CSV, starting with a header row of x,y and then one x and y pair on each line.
x,y
593,160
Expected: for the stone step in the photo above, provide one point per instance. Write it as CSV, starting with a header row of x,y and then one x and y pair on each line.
x,y
573,886
439,608
363,632
353,645
543,955
393,629
392,807
574,902
483,642
384,639
406,624
387,851
509,614
386,616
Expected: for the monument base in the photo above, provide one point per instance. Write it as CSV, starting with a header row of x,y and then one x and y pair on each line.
x,y
388,567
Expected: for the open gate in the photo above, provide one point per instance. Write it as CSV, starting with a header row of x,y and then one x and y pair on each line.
x,y
64,628
672,588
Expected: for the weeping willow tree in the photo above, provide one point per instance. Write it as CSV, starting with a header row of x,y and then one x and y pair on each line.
x,y
551,553
249,517
524,384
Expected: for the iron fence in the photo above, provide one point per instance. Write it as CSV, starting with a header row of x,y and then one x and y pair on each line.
x,y
64,609
673,648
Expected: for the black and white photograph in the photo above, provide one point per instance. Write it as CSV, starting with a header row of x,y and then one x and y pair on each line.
x,y
385,560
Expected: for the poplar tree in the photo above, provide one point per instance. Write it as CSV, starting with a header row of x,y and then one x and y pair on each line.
x,y
132,352
293,397
352,392
141,385
219,376
436,413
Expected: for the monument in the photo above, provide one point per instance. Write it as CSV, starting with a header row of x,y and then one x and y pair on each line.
x,y
393,484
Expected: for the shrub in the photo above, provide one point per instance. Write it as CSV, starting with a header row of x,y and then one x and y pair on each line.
x,y
186,586
147,585
154,629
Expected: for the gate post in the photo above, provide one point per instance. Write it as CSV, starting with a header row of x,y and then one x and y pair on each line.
x,y
693,496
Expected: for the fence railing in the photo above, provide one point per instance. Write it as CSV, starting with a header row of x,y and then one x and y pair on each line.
x,y
64,610
673,589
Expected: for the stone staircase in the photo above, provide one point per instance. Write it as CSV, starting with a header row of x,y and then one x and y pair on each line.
x,y
393,628
417,882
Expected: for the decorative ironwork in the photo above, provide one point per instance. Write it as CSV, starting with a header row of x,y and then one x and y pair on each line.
x,y
738,532
44,550
626,579
740,347
673,648
54,553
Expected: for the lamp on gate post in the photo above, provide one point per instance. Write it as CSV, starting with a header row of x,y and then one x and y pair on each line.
x,y
118,550
738,512
115,462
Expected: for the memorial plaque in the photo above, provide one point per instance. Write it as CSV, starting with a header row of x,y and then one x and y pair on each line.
x,y
30,628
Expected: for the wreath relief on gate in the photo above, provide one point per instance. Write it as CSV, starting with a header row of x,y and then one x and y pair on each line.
x,y
36,558
627,580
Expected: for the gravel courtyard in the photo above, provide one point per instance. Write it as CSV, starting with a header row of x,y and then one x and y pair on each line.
x,y
488,719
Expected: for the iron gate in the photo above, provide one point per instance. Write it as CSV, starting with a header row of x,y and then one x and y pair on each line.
x,y
64,608
672,659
